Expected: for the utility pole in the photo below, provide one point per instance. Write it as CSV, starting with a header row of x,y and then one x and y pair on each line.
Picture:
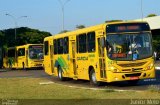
x,y
15,22
62,7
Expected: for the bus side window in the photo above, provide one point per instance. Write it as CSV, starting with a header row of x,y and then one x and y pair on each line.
x,y
21,52
91,41
82,43
46,48
55,46
60,45
66,45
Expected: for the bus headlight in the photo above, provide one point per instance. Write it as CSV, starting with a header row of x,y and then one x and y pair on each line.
x,y
113,69
150,66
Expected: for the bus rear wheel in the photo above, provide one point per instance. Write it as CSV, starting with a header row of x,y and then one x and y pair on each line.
x,y
93,80
10,67
23,66
60,74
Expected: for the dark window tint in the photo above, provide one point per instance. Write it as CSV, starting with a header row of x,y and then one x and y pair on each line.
x,y
46,47
21,52
55,46
91,41
82,43
66,45
60,46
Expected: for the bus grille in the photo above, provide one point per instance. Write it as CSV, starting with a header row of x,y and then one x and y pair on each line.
x,y
132,64
133,75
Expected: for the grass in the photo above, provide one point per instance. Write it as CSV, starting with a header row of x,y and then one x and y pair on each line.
x,y
29,88
154,88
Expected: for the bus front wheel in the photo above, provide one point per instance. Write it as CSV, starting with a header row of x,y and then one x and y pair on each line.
x,y
60,74
93,80
24,68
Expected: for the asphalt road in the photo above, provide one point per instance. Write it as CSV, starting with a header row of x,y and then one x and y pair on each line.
x,y
142,85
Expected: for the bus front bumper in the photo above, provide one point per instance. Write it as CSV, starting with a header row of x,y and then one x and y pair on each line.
x,y
121,76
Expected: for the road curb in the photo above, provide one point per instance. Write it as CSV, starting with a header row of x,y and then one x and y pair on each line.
x,y
3,70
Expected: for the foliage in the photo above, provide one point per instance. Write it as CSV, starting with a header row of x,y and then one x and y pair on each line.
x,y
1,38
107,21
151,15
156,40
80,26
154,88
24,36
64,31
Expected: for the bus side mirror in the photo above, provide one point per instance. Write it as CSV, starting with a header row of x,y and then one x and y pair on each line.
x,y
103,42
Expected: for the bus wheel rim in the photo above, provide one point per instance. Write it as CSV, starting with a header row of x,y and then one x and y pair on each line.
x,y
93,77
60,73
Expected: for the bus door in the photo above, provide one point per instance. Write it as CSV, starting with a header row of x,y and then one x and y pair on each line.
x,y
47,58
73,57
11,58
27,57
51,56
101,54
21,58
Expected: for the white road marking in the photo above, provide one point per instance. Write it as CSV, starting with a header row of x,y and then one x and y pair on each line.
x,y
87,88
46,83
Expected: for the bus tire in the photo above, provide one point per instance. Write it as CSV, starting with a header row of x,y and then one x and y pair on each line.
x,y
10,67
93,80
23,66
60,74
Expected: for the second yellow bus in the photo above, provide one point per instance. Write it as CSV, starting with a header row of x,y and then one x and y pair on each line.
x,y
24,57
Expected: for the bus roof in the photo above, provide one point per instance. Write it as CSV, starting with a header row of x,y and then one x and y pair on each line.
x,y
89,29
22,46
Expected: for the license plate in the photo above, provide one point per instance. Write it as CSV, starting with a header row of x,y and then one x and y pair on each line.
x,y
134,78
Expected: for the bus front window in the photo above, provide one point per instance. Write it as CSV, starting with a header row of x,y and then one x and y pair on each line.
x,y
129,46
36,52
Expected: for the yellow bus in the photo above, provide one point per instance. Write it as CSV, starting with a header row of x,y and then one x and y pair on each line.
x,y
102,53
23,57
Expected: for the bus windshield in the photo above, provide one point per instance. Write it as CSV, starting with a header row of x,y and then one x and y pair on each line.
x,y
36,52
129,46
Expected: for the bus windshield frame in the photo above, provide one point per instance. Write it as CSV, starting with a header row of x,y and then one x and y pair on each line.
x,y
132,44
35,52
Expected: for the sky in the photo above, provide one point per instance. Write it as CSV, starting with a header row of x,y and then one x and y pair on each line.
x,y
46,15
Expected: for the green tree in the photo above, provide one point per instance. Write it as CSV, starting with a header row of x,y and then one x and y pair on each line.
x,y
25,35
80,26
64,31
1,38
107,21
151,15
